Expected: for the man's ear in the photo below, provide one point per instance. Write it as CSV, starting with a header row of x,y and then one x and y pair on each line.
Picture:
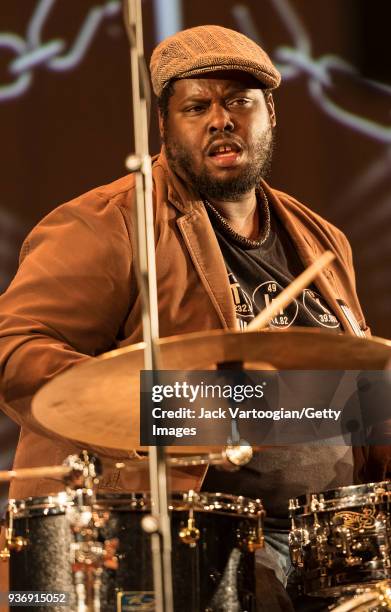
x,y
161,128
270,108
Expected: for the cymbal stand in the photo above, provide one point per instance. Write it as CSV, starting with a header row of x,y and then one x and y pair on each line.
x,y
140,163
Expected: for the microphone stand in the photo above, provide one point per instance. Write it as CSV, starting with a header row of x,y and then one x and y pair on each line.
x,y
158,524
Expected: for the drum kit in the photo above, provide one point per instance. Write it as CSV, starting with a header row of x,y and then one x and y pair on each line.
x,y
94,546
95,551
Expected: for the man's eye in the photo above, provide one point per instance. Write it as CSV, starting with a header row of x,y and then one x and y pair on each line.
x,y
194,109
239,102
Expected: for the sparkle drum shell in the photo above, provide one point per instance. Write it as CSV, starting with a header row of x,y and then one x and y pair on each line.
x,y
215,573
341,539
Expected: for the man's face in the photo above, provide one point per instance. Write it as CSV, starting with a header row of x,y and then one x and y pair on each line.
x,y
218,133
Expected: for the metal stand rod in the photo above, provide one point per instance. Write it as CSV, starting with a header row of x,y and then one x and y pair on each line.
x,y
141,164
97,583
81,597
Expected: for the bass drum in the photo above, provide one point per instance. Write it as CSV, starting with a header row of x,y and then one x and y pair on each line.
x,y
341,539
212,555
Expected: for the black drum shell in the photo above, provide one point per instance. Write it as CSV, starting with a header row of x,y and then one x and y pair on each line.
x,y
197,571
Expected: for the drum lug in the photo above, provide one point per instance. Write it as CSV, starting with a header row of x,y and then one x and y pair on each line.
x,y
190,534
12,542
382,526
321,542
253,542
343,541
297,539
17,543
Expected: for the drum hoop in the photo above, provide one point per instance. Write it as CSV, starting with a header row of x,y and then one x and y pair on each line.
x,y
217,503
222,503
342,497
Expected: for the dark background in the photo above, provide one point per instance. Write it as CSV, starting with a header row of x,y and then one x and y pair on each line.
x,y
68,130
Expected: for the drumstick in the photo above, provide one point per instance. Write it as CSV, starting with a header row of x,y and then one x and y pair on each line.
x,y
290,292
38,472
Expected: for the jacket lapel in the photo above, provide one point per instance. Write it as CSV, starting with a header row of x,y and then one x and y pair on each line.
x,y
204,250
308,250
201,242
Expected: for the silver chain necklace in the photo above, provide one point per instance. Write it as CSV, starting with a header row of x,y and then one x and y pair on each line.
x,y
247,243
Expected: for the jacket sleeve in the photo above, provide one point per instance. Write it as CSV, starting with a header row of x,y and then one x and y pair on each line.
x,y
68,299
350,267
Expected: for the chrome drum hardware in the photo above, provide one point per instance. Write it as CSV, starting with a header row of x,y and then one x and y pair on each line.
x,y
341,539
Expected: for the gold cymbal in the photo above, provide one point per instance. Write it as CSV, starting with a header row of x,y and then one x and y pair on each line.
x,y
97,403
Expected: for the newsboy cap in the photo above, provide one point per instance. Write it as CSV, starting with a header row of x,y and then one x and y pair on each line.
x,y
207,49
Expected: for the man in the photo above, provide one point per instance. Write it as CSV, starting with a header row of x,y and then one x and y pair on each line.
x,y
226,243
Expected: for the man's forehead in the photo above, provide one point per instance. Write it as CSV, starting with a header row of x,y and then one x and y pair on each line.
x,y
223,79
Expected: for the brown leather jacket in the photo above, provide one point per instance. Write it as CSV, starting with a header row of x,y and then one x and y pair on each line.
x,y
75,296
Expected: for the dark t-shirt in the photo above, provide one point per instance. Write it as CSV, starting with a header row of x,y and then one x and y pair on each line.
x,y
257,276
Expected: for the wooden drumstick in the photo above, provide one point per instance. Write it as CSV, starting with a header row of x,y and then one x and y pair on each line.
x,y
50,471
290,292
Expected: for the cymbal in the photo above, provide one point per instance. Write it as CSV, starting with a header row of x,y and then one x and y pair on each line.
x,y
97,403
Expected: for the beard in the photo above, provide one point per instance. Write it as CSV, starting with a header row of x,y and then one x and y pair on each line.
x,y
231,187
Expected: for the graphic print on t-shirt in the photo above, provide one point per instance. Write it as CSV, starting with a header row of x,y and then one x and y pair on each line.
x,y
316,308
310,303
243,304
258,275
265,294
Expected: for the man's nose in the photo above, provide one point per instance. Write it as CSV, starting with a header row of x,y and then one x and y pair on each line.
x,y
220,119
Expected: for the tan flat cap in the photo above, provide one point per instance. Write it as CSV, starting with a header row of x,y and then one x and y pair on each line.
x,y
207,49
